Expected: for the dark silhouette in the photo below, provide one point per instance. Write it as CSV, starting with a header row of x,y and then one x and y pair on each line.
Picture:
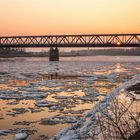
x,y
90,40
54,54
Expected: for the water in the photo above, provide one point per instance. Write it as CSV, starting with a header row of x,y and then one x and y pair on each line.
x,y
33,90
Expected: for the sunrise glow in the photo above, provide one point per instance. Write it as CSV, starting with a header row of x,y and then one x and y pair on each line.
x,y
31,17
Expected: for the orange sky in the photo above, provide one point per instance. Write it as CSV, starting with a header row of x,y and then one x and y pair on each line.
x,y
39,17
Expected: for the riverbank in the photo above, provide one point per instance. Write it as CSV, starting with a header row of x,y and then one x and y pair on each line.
x,y
93,124
74,53
135,91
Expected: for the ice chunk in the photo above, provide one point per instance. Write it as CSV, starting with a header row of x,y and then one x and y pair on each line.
x,y
34,95
20,136
4,132
62,97
46,103
18,111
34,110
56,108
1,117
88,98
58,119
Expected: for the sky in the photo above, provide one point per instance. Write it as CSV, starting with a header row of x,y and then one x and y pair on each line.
x,y
49,17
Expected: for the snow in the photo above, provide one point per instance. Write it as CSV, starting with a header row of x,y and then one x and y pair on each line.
x,y
84,124
136,96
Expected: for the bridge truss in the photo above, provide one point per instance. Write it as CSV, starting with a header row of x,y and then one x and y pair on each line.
x,y
91,40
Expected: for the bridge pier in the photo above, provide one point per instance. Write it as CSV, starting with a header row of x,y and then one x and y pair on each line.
x,y
54,54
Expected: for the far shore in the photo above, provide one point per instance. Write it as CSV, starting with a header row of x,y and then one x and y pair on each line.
x,y
32,55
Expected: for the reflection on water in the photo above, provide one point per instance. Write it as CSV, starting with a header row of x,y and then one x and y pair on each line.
x,y
119,68
33,90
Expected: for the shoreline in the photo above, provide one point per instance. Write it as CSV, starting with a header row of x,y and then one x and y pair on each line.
x,y
81,128
13,56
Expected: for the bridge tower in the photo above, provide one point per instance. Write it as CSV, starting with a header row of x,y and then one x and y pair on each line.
x,y
54,54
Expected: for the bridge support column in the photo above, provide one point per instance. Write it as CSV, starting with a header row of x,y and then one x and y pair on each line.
x,y
54,54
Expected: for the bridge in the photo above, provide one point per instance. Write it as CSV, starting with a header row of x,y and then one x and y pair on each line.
x,y
89,40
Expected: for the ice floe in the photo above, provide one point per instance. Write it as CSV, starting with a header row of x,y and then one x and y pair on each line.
x,y
91,92
35,110
16,111
45,103
4,132
134,96
29,89
34,95
1,117
62,97
74,111
24,122
54,108
51,105
5,92
18,95
58,119
20,136
88,98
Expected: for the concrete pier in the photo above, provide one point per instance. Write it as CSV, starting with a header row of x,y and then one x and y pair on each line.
x,y
54,54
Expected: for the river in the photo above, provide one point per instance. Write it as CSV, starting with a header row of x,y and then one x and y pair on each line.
x,y
42,97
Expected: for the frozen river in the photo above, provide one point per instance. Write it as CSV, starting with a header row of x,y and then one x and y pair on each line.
x,y
41,98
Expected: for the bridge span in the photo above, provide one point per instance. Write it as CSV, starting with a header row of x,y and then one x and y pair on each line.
x,y
89,40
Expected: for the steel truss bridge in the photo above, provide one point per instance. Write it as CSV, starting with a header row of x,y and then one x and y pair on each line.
x,y
89,40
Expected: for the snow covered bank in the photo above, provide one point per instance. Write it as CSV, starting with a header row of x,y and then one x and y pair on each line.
x,y
83,127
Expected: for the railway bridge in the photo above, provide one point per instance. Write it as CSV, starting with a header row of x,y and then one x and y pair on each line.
x,y
55,41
